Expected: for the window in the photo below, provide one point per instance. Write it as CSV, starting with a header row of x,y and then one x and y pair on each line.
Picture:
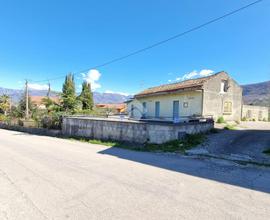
x,y
132,111
185,104
157,109
224,86
260,116
144,110
227,108
249,114
175,110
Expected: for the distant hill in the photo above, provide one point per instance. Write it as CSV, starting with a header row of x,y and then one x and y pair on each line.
x,y
257,93
106,98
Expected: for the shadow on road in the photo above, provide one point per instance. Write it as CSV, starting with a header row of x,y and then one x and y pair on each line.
x,y
248,177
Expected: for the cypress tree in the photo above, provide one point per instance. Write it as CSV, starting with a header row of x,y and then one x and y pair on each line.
x,y
69,100
86,96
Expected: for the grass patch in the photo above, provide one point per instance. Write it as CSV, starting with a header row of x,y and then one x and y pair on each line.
x,y
180,146
94,141
267,151
221,120
230,127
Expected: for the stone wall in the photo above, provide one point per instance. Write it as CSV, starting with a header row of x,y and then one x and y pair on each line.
x,y
37,131
214,99
130,131
257,113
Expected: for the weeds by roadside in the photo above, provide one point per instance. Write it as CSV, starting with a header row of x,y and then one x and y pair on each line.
x,y
221,120
179,146
230,127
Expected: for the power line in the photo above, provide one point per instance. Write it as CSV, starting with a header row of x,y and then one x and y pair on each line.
x,y
160,42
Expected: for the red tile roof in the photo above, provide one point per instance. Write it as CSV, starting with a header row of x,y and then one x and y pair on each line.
x,y
38,100
113,106
191,84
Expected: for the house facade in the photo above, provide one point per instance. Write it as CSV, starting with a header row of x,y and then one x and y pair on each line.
x,y
212,96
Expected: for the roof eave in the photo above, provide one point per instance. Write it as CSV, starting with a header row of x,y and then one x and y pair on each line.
x,y
175,91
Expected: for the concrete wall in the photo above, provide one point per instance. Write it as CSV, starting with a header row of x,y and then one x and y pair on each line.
x,y
253,112
30,130
130,131
214,98
193,107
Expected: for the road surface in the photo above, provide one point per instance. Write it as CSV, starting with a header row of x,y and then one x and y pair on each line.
x,y
49,178
249,139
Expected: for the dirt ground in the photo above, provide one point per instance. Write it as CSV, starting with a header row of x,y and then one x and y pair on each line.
x,y
248,140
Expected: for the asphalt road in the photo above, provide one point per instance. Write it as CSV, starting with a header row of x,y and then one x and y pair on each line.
x,y
249,139
50,178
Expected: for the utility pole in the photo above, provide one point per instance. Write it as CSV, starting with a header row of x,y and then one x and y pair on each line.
x,y
49,90
26,100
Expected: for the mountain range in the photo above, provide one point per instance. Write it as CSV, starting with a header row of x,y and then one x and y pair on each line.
x,y
105,98
254,94
257,93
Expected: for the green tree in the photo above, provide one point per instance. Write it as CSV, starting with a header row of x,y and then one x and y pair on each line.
x,y
4,103
51,105
22,106
69,99
86,97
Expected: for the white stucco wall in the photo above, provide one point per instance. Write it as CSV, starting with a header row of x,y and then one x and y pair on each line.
x,y
253,112
193,98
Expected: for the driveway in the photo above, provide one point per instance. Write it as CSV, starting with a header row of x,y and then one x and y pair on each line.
x,y
249,140
49,178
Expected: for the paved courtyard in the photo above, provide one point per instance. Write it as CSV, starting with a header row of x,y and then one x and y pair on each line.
x,y
248,140
49,178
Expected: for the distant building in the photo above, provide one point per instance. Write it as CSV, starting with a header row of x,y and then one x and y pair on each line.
x,y
212,96
38,101
253,112
118,108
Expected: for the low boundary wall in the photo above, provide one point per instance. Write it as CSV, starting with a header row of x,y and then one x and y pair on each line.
x,y
130,131
37,131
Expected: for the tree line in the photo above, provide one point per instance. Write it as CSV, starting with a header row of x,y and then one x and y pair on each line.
x,y
69,103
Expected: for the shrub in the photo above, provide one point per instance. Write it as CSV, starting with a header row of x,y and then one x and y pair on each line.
x,y
52,121
244,119
220,120
3,118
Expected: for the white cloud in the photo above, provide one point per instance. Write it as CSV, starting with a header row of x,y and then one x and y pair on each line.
x,y
190,75
206,72
92,77
120,93
36,86
195,74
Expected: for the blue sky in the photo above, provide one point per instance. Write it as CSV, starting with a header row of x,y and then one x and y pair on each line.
x,y
45,39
